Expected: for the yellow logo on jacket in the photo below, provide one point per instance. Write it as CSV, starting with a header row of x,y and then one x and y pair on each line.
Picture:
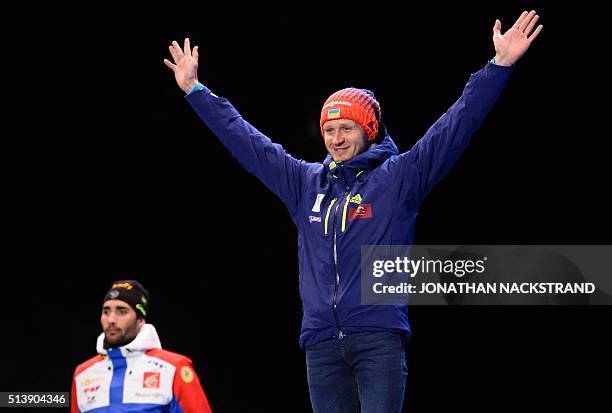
x,y
186,374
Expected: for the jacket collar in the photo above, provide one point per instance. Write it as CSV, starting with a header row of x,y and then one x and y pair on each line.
x,y
347,172
146,339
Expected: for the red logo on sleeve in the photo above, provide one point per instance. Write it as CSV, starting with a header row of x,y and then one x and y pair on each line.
x,y
362,211
151,380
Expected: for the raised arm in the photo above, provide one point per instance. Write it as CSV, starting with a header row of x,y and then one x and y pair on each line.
x,y
432,156
268,161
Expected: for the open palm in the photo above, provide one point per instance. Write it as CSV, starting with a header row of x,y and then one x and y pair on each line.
x,y
510,46
185,66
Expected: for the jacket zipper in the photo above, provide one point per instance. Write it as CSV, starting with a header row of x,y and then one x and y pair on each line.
x,y
340,332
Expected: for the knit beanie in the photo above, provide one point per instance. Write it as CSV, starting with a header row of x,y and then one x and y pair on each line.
x,y
358,105
133,293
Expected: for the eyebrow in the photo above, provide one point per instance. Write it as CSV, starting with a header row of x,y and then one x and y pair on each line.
x,y
341,124
118,307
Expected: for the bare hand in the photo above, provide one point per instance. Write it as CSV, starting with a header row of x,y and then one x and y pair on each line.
x,y
510,46
185,66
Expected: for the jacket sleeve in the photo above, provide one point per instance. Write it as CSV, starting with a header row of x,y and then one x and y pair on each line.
x,y
74,406
189,397
268,161
431,158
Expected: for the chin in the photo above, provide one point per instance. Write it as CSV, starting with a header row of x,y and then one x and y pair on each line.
x,y
113,340
342,158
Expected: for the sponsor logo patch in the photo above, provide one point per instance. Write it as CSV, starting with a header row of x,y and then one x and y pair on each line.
x,y
151,380
337,102
92,380
92,389
356,199
362,211
312,219
127,286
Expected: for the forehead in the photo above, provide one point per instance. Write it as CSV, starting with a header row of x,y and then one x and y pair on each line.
x,y
335,123
113,304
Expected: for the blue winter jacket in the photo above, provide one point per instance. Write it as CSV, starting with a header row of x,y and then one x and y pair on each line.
x,y
370,200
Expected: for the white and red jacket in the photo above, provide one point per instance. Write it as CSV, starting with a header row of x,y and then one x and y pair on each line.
x,y
138,377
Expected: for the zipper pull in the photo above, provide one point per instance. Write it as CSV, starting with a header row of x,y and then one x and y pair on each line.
x,y
341,335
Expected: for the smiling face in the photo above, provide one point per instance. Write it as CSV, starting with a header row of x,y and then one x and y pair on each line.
x,y
344,139
119,322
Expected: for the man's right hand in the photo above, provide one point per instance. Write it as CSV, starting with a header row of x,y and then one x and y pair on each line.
x,y
185,66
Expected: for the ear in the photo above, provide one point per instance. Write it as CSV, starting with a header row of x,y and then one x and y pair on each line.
x,y
141,322
382,132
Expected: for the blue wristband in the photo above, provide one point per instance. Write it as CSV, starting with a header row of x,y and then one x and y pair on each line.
x,y
197,87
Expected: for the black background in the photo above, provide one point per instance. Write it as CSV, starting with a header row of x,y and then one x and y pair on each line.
x,y
109,174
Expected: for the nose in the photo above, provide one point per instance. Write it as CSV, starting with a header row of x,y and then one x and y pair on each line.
x,y
111,318
337,138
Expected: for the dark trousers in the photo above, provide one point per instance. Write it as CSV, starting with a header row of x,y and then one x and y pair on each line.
x,y
364,372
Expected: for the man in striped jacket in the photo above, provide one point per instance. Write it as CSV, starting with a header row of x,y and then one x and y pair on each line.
x,y
131,372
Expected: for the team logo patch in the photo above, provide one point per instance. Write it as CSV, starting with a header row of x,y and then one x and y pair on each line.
x,y
151,380
362,211
186,374
333,113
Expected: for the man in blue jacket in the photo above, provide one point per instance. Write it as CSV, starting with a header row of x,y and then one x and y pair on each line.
x,y
364,193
